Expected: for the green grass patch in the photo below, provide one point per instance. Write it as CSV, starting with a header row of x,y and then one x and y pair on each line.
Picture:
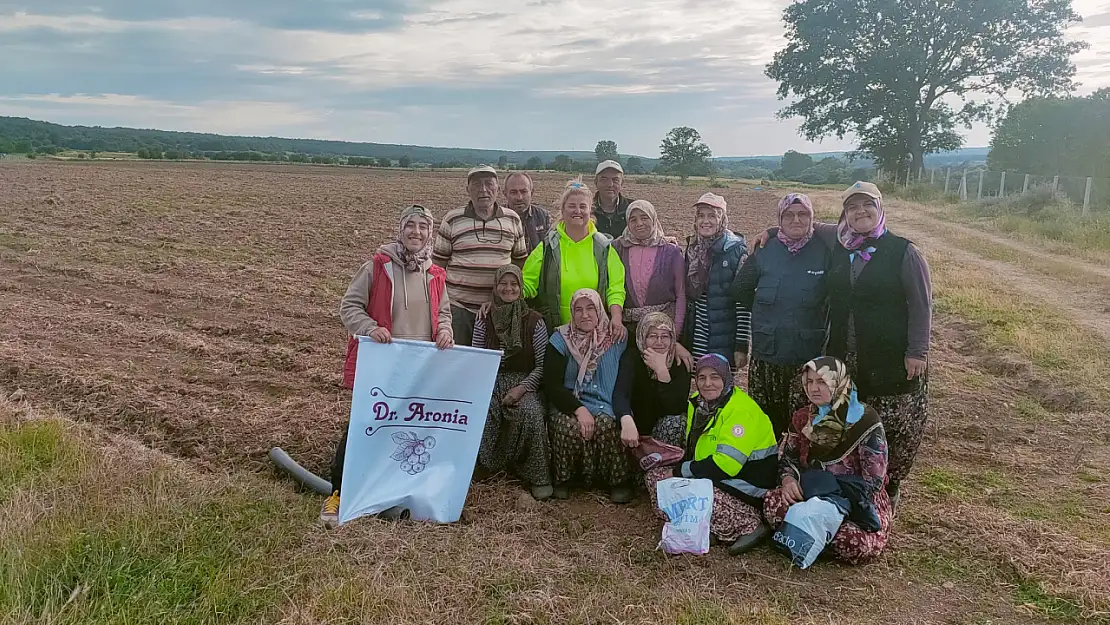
x,y
1031,595
941,481
120,545
1030,409
1067,354
32,452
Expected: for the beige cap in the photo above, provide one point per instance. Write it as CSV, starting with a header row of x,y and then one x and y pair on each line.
x,y
714,200
481,169
864,188
603,165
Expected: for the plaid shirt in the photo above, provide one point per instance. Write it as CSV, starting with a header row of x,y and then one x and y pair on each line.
x,y
537,222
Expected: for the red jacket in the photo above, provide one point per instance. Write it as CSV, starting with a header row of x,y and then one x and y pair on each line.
x,y
380,306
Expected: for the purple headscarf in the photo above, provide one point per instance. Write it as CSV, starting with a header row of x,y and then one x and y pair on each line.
x,y
795,198
853,241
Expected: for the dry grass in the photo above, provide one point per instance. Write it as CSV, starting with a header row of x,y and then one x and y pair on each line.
x,y
183,315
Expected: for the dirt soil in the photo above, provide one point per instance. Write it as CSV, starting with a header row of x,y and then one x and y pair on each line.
x,y
193,308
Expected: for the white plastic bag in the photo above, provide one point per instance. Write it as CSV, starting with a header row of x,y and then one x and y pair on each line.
x,y
807,528
688,505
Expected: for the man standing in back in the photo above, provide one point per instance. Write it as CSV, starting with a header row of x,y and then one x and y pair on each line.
x,y
472,242
535,218
610,207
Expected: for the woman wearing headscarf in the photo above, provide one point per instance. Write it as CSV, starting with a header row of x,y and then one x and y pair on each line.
x,y
581,367
654,385
515,438
400,294
783,285
837,435
654,270
715,322
573,256
729,441
880,313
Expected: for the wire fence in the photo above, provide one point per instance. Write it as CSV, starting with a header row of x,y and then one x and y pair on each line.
x,y
977,184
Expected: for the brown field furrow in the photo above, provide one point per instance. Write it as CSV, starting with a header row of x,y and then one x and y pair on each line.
x,y
193,308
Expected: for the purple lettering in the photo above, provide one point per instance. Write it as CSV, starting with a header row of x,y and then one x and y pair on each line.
x,y
381,411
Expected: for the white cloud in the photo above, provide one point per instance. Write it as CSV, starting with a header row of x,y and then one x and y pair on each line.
x,y
402,73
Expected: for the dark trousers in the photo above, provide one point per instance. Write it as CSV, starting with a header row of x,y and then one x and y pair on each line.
x,y
337,461
462,325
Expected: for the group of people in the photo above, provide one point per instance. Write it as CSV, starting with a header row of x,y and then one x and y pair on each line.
x,y
604,322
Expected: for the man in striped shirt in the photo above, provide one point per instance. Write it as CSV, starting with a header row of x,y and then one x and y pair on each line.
x,y
471,243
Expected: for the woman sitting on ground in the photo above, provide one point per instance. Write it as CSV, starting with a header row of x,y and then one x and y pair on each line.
x,y
655,272
654,386
730,441
397,294
515,438
575,256
839,435
580,375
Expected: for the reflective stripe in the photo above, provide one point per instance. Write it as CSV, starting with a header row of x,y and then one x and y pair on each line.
x,y
766,452
685,469
733,453
745,487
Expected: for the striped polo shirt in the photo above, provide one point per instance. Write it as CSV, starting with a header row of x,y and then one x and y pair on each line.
x,y
471,249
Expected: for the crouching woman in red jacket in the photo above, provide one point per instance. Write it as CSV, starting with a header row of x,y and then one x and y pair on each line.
x,y
397,294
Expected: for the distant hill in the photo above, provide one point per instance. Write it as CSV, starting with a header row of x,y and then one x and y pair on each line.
x,y
45,136
95,138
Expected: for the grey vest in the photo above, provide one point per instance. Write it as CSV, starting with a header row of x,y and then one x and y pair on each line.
x,y
549,298
790,314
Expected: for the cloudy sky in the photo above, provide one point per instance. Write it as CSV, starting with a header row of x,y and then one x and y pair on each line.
x,y
523,74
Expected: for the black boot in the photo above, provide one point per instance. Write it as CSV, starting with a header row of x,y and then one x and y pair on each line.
x,y
750,540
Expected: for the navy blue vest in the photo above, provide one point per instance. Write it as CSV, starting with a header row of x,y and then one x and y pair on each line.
x,y
791,311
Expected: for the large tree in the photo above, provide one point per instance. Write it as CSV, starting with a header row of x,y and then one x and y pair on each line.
x,y
606,151
1050,136
684,153
900,74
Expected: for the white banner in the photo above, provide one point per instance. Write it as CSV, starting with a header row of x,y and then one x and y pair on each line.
x,y
417,417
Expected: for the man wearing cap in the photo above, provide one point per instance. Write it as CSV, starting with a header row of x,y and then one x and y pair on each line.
x,y
535,218
472,242
610,207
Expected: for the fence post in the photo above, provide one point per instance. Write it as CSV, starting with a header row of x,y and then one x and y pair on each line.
x,y
1002,186
909,172
1087,197
947,175
963,187
1055,183
979,194
933,176
1025,185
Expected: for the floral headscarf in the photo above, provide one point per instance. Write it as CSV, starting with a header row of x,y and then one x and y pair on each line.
x,y
587,346
795,246
507,319
829,423
697,273
652,321
413,261
853,241
655,239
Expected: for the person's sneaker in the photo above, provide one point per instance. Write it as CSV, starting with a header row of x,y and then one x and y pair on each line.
x,y
621,494
746,542
539,493
329,512
561,491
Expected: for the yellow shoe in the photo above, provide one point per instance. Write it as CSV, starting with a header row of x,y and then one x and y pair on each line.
x,y
329,512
